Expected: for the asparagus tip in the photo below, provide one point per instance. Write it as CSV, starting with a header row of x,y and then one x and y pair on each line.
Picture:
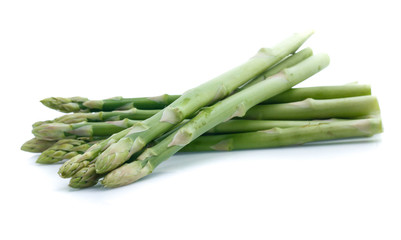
x,y
35,145
115,155
70,167
65,105
51,131
84,178
126,174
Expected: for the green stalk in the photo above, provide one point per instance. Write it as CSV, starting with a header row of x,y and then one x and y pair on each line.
x,y
321,92
133,113
119,103
309,109
285,63
78,104
192,101
278,137
233,106
36,145
58,131
241,125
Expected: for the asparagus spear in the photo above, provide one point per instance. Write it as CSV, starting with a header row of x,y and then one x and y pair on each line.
x,y
78,104
36,145
292,95
351,107
133,113
139,135
66,105
63,149
233,106
242,125
286,63
278,137
85,177
321,92
57,131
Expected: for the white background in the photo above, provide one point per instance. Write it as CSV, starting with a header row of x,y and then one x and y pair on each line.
x,y
100,49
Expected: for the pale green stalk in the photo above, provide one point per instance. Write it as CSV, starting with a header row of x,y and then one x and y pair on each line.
x,y
309,109
286,63
321,92
57,131
79,104
278,137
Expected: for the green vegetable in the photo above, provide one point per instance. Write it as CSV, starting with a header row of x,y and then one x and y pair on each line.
x,y
234,106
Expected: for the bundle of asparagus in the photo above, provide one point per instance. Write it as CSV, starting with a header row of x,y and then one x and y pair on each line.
x,y
251,106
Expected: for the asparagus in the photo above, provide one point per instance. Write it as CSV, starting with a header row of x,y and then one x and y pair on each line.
x,y
133,113
85,177
63,149
292,95
74,165
36,145
286,63
233,106
78,104
242,125
66,105
351,107
138,136
57,131
278,137
321,92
